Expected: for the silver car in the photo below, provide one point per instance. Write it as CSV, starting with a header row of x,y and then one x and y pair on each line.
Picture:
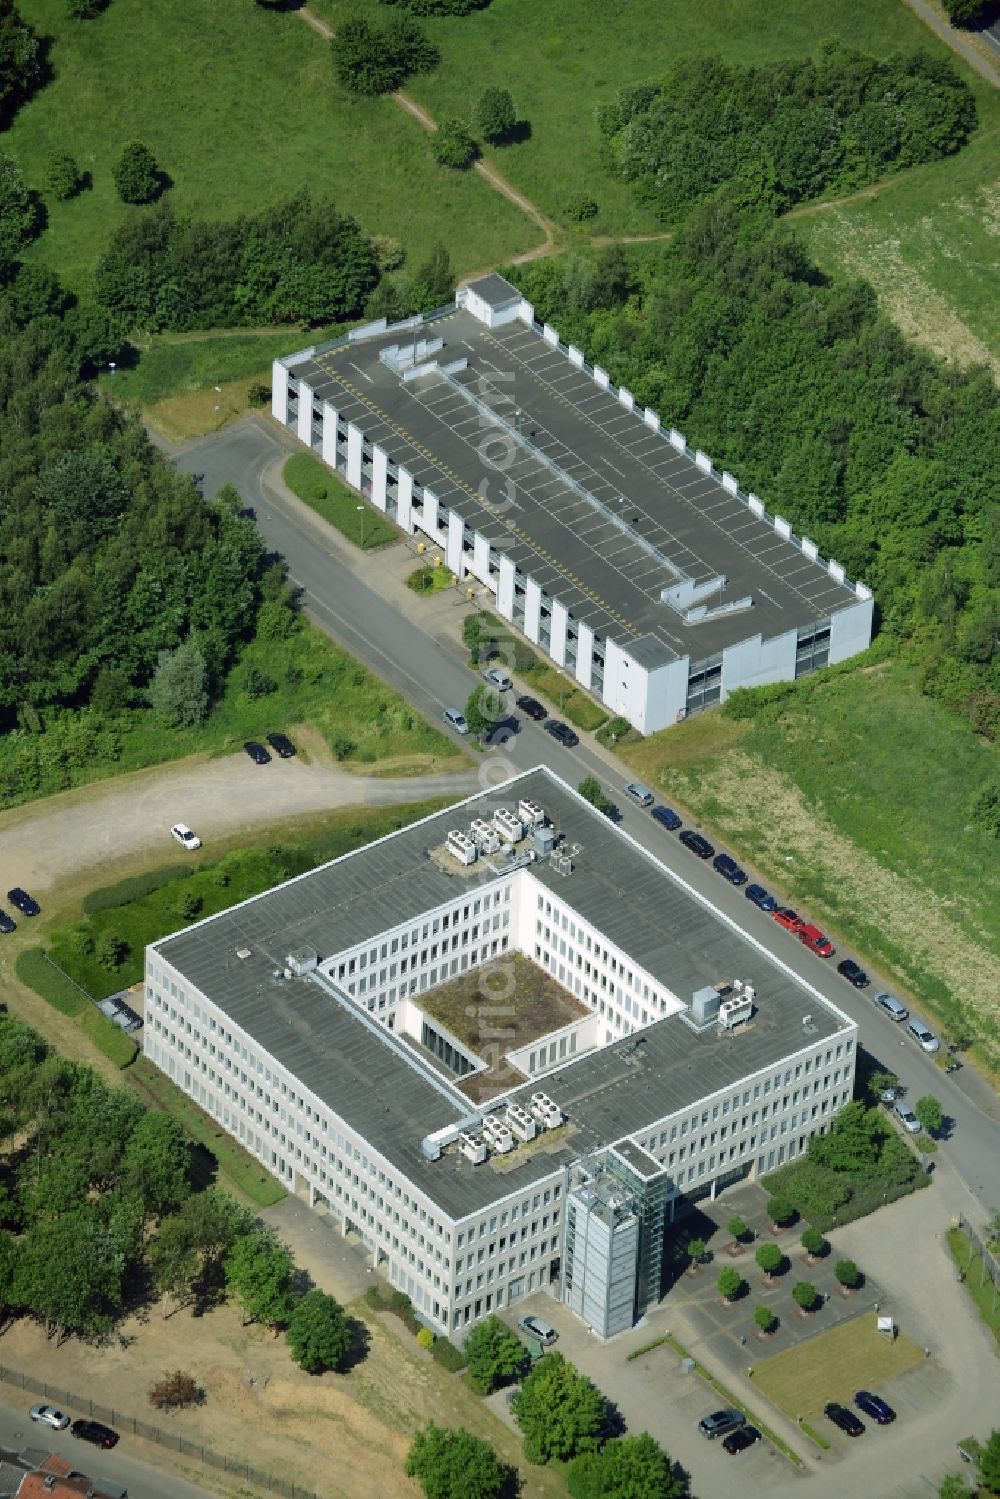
x,y
498,678
907,1118
455,720
49,1416
539,1330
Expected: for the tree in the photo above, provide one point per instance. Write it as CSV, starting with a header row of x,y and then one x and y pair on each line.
x,y
696,1249
495,1354
452,145
988,1464
477,714
175,1391
495,115
111,949
69,1273
627,1468
804,1294
879,1083
18,215
434,281
847,1273
373,59
187,1254
20,60
928,1111
137,177
580,208
953,1486
63,177
764,1318
319,1333
730,1283
590,789
452,1464
85,10
780,1211
737,1227
178,692
812,1242
769,1258
157,1162
964,12
259,1273
559,1411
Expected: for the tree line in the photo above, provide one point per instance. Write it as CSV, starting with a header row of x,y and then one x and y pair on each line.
x,y
874,448
99,1214
784,132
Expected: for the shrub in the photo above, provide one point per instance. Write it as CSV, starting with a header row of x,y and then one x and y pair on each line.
x,y
111,950
258,395
176,1390
494,114
137,177
452,145
63,177
187,903
257,683
448,1356
425,1338
580,208
109,897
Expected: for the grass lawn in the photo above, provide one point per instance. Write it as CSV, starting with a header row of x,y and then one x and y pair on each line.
x,y
339,505
569,701
854,800
240,107
831,1366
530,1003
977,1282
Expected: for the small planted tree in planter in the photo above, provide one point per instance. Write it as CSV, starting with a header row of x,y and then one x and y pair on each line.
x,y
813,1243
805,1296
848,1275
765,1320
737,1227
781,1212
697,1252
730,1284
769,1258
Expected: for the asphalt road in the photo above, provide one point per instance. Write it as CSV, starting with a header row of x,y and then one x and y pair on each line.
x,y
118,1465
418,667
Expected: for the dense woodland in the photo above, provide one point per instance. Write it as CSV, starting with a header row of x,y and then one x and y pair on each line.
x,y
779,134
881,453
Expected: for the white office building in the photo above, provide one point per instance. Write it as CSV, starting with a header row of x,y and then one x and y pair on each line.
x,y
477,1155
648,576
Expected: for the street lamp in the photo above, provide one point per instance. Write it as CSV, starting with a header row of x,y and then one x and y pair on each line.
x,y
362,510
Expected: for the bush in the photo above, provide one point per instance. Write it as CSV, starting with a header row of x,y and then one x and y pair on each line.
x,y
257,683
111,950
581,208
425,1338
448,1356
109,897
452,145
186,904
63,177
258,395
372,59
494,114
137,177
174,1391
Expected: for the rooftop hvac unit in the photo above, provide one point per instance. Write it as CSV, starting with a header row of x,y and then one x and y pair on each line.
x,y
301,960
530,814
472,1148
486,837
520,1122
543,841
507,825
499,1136
733,1011
561,863
748,993
547,1113
461,847
704,1005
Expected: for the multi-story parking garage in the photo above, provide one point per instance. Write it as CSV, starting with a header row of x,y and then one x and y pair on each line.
x,y
494,1149
649,577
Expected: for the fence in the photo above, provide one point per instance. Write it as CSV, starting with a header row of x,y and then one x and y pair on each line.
x,y
990,1265
123,1422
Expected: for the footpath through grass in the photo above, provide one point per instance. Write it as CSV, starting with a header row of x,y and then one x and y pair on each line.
x,y
320,489
853,797
239,105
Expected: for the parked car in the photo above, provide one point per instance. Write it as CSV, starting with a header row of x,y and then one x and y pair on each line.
x,y
740,1439
811,936
638,793
907,1118
539,1330
7,923
786,917
761,898
668,817
892,1007
23,902
845,1419
720,1422
282,746
727,866
49,1416
874,1406
697,844
455,720
925,1039
185,837
257,752
532,707
96,1432
562,732
498,678
854,973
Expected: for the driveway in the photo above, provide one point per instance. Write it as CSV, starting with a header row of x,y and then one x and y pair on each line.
x,y
47,841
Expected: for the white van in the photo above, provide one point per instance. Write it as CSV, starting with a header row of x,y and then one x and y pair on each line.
x,y
892,1007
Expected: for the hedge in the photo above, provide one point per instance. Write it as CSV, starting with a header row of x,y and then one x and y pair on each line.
x,y
448,1356
108,897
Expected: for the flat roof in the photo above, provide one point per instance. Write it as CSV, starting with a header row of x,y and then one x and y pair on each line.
x,y
380,1087
601,510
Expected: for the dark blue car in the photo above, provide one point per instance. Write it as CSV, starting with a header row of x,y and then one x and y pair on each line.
x,y
761,898
873,1405
727,866
669,818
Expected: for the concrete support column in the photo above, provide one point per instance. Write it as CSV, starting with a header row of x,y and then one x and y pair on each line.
x,y
454,555
379,472
532,608
584,655
304,432
279,392
329,436
404,500
558,624
505,587
430,512
354,441
481,557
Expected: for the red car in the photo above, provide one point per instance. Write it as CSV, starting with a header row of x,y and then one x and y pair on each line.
x,y
787,918
813,938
